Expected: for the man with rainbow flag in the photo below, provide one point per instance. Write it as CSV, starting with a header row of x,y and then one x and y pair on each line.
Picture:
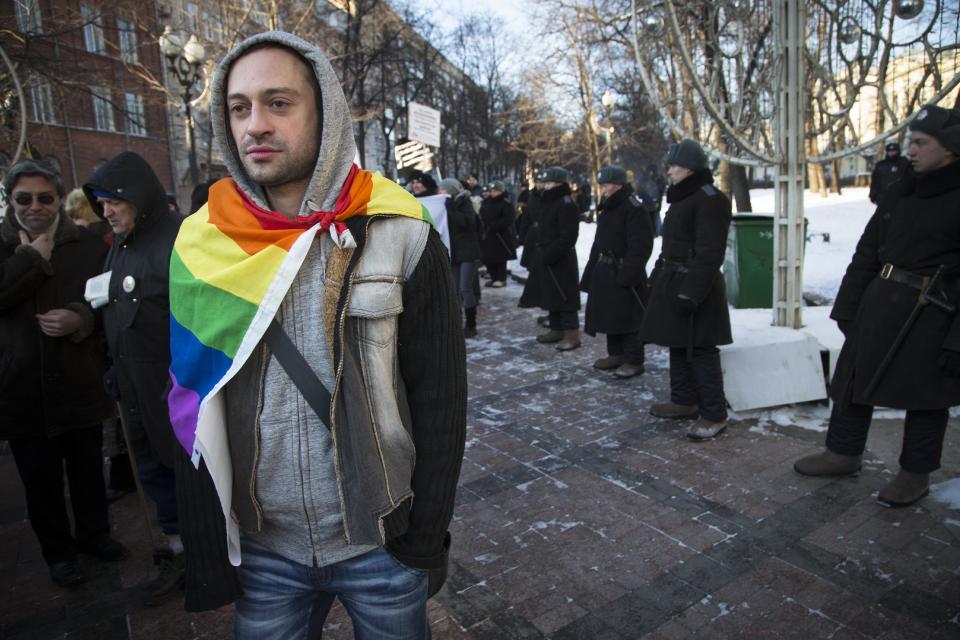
x,y
318,363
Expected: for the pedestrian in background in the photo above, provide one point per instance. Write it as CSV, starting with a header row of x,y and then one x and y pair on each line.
x,y
465,230
687,310
615,277
891,169
559,275
528,234
897,308
498,244
52,405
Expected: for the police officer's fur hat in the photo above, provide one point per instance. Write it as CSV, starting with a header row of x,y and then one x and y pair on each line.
x,y
942,124
495,185
688,153
556,174
612,174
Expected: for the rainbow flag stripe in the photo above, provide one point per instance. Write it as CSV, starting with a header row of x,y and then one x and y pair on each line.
x,y
231,266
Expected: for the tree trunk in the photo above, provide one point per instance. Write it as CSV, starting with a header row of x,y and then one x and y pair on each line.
x,y
740,187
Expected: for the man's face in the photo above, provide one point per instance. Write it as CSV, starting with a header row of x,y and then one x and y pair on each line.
x,y
120,215
893,153
274,117
417,187
35,203
472,182
677,174
927,154
551,185
608,189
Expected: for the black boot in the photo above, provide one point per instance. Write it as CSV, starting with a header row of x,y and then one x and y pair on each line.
x,y
470,330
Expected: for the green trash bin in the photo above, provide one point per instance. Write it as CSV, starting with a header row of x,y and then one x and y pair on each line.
x,y
748,263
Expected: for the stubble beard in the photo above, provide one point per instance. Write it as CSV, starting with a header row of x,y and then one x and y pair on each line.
x,y
292,166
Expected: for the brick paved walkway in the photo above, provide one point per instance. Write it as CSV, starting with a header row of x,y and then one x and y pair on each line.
x,y
581,517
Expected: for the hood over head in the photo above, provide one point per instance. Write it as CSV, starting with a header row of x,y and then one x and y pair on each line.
x,y
337,147
129,177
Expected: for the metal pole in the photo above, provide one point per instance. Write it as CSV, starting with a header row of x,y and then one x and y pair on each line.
x,y
788,236
194,172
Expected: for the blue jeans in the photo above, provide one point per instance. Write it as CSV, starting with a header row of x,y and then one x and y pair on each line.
x,y
385,599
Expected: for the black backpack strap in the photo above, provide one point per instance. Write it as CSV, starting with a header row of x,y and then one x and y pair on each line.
x,y
299,371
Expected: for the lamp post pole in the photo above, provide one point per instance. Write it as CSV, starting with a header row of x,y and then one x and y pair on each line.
x,y
184,61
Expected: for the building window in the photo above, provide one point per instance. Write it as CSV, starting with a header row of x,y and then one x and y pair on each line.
x,y
28,15
92,29
102,109
190,16
136,122
41,99
129,52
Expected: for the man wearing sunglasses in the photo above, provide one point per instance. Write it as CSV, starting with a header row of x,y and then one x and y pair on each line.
x,y
51,362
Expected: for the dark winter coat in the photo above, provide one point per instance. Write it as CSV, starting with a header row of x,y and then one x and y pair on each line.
x,y
464,226
885,173
694,242
528,232
616,274
49,386
916,228
557,268
498,243
137,318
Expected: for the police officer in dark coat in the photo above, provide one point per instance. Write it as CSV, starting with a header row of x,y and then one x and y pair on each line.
x,y
465,229
615,277
889,170
528,232
557,267
903,281
497,244
687,310
128,195
52,404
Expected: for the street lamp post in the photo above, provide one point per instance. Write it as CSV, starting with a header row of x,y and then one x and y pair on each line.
x,y
184,61
607,100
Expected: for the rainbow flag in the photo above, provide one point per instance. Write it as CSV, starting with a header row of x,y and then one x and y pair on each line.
x,y
231,266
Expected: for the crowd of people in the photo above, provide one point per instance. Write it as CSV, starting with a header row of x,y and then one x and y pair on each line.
x,y
288,362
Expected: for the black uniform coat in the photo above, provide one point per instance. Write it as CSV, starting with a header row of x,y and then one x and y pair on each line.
x,y
137,318
616,290
498,244
528,232
558,269
694,242
915,228
885,173
464,226
48,385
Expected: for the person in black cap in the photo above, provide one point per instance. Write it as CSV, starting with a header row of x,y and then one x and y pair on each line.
x,y
615,277
497,243
423,184
557,264
688,300
892,168
897,307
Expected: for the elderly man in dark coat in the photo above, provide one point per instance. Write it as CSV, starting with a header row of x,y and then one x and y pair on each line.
x,y
528,232
615,277
557,267
51,364
497,243
128,195
897,308
688,302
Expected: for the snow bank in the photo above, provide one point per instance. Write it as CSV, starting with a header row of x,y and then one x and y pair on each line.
x,y
947,492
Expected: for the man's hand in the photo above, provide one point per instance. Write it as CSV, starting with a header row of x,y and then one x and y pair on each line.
x,y
57,323
42,243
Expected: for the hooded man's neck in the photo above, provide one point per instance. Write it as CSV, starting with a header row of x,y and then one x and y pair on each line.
x,y
287,198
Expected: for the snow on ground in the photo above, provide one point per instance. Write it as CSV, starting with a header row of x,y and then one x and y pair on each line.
x,y
947,492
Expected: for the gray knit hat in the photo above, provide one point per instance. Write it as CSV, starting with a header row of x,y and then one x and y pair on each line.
x,y
556,174
688,153
451,186
612,174
942,124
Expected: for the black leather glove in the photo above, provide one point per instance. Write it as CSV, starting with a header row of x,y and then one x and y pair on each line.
x,y
949,362
110,384
685,306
